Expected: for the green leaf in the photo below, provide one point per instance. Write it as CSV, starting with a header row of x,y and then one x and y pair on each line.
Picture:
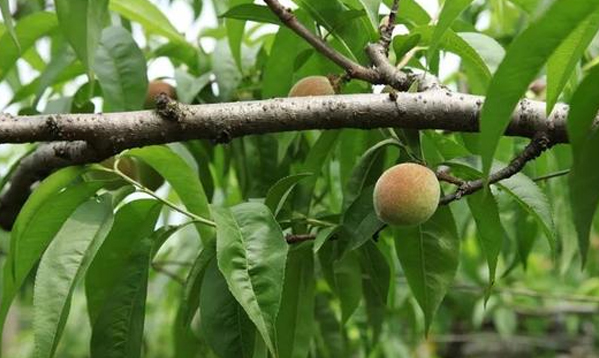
x,y
343,274
451,10
63,264
523,61
453,43
314,163
57,65
81,22
188,86
429,256
522,190
118,326
193,284
28,31
490,231
333,343
121,69
360,222
278,193
372,10
489,50
29,214
251,252
183,179
47,220
295,322
411,11
568,54
583,109
235,30
147,15
352,36
252,12
347,279
376,279
584,193
133,223
322,237
8,23
225,324
279,69
362,175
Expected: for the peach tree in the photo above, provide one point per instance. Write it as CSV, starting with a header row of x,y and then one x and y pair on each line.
x,y
199,178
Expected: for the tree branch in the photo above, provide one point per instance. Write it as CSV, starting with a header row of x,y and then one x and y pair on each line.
x,y
352,68
386,30
533,150
112,132
89,138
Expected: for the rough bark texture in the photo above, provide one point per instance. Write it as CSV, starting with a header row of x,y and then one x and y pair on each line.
x,y
437,109
88,138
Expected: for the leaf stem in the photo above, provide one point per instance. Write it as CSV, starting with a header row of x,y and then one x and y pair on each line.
x,y
140,187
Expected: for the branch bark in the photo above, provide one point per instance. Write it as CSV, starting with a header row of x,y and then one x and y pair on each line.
x,y
88,138
444,110
539,144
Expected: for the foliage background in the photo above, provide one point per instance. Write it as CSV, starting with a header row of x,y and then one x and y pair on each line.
x,y
541,304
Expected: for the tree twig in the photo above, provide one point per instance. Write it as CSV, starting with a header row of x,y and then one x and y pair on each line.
x,y
299,238
386,30
171,275
352,68
533,150
561,173
448,178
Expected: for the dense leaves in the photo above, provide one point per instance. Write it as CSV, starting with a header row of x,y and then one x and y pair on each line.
x,y
269,245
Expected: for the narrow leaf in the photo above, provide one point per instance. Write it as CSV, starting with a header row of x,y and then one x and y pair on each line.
x,y
235,30
584,193
8,22
226,326
251,252
61,267
490,231
149,16
429,256
278,193
568,54
451,10
193,284
252,12
118,327
121,69
523,61
28,31
295,322
132,223
81,22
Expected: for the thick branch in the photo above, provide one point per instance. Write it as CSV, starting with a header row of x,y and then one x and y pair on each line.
x,y
224,121
94,137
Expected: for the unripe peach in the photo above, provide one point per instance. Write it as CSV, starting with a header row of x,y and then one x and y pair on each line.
x,y
406,194
312,86
154,89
